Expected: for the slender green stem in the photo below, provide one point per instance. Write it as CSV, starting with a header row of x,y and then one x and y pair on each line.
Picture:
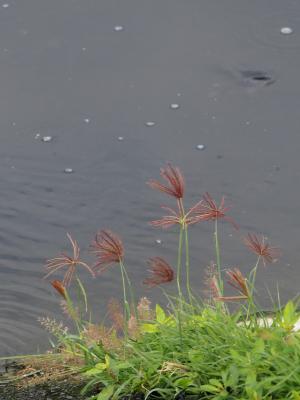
x,y
168,298
252,278
218,256
131,292
187,265
179,260
126,306
73,313
82,294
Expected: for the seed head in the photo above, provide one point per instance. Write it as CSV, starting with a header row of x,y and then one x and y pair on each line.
x,y
108,248
175,182
161,272
260,247
208,210
59,287
238,281
71,262
178,217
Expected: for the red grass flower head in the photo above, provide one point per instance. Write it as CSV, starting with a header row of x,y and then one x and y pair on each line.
x,y
176,217
71,262
59,287
175,180
260,247
108,248
208,210
238,281
161,272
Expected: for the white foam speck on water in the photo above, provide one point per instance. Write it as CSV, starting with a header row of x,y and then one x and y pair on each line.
x,y
200,147
150,123
174,106
158,241
6,5
286,30
87,120
68,170
118,28
47,138
120,138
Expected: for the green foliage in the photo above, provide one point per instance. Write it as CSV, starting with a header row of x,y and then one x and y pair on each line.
x,y
217,359
202,350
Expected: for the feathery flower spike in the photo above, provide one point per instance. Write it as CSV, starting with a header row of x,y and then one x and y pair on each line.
x,y
175,180
209,210
176,217
161,272
108,248
71,262
59,287
238,281
262,248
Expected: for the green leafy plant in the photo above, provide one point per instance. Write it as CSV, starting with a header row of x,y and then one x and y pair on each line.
x,y
194,347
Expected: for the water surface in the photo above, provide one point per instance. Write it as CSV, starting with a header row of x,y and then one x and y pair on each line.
x,y
66,72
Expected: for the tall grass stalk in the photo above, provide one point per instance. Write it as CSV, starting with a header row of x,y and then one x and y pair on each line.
x,y
218,257
131,292
179,261
187,265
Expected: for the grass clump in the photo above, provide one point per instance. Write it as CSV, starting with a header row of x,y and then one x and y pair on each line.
x,y
193,348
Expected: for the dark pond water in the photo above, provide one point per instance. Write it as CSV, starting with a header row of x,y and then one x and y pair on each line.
x,y
67,72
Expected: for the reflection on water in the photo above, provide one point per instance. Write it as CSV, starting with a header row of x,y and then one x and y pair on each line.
x,y
82,83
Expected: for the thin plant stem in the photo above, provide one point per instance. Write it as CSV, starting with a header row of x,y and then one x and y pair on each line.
x,y
83,293
187,265
179,260
218,256
131,292
168,298
126,306
179,264
252,278
73,313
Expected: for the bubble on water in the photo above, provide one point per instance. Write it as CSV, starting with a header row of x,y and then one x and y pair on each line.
x,y
286,30
200,147
158,241
118,28
174,106
120,138
47,138
6,5
150,123
68,170
87,120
